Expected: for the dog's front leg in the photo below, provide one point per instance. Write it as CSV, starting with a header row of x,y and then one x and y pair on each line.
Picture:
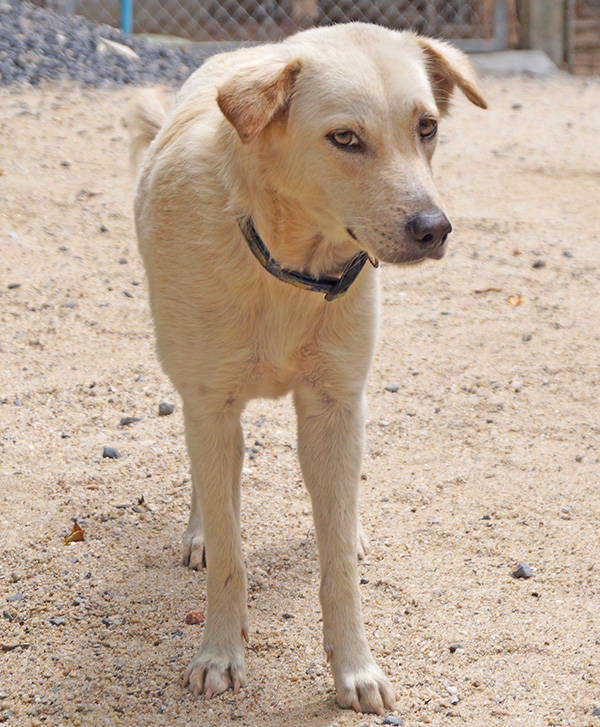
x,y
215,444
330,447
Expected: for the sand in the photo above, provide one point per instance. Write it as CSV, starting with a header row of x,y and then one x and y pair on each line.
x,y
485,456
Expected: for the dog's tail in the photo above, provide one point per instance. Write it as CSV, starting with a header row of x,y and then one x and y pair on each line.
x,y
145,116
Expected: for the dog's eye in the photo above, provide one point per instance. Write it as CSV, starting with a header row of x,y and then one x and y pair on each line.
x,y
427,128
345,139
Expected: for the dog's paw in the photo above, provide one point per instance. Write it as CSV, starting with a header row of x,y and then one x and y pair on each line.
x,y
193,553
212,674
366,689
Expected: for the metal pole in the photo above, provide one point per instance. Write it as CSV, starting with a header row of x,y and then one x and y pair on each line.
x,y
126,16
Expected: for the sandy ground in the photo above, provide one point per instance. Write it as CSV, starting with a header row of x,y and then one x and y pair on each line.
x,y
487,455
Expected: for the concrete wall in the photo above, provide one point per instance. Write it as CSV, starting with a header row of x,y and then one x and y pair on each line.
x,y
542,27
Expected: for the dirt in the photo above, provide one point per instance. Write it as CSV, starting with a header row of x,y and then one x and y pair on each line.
x,y
487,454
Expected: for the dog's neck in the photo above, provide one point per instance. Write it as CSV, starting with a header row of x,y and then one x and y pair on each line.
x,y
296,240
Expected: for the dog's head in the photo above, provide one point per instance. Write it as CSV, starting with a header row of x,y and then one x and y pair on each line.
x,y
345,123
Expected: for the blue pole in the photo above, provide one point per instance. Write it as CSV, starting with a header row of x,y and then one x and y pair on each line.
x,y
126,16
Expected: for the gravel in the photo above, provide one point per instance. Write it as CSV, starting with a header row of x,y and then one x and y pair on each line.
x,y
37,44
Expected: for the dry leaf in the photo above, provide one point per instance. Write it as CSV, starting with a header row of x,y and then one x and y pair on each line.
x,y
76,535
488,290
515,300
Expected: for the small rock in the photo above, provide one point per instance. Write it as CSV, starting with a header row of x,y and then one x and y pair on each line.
x,y
122,261
119,663
578,458
58,620
539,263
393,720
516,106
110,453
165,408
434,521
526,337
455,646
516,385
7,714
103,228
13,286
65,435
65,163
596,711
522,571
126,421
18,402
16,597
486,517
393,388
15,577
567,253
364,581
194,617
287,616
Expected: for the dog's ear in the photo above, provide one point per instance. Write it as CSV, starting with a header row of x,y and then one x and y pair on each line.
x,y
256,93
448,67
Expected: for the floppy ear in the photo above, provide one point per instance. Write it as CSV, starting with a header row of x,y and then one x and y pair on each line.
x,y
448,67
252,97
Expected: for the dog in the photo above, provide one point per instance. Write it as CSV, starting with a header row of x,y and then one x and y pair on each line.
x,y
266,197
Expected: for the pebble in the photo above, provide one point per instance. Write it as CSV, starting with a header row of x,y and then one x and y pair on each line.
x,y
194,617
526,337
522,571
126,421
165,408
58,620
567,253
393,720
516,385
16,597
455,646
110,453
596,711
287,616
393,388
13,286
539,263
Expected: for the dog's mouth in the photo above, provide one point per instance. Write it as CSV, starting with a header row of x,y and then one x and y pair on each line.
x,y
408,253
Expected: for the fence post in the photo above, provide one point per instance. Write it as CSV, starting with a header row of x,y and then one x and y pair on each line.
x,y
126,16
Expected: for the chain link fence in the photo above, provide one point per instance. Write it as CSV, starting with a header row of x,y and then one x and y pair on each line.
x,y
470,21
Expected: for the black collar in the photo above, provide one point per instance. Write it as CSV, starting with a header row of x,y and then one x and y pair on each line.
x,y
332,287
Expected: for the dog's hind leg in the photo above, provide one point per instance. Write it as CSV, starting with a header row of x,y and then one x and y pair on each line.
x,y
330,446
215,444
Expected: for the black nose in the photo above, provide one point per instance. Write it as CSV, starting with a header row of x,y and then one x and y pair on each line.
x,y
429,229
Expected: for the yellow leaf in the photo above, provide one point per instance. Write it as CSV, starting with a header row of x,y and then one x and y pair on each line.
x,y
76,535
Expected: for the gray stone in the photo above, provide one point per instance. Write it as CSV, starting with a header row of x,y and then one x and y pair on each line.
x,y
126,421
522,571
596,711
165,408
393,720
16,597
393,388
58,620
110,453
